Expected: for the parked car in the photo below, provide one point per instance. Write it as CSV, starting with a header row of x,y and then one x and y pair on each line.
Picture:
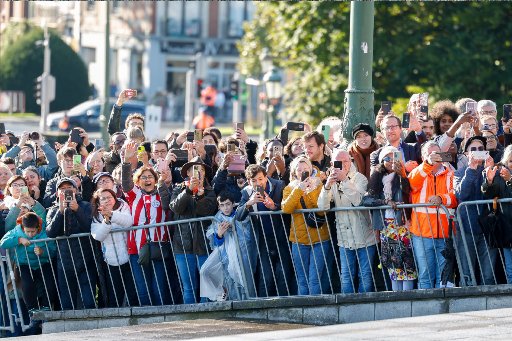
x,y
87,114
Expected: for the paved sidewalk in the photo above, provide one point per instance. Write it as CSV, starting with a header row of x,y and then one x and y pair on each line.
x,y
479,325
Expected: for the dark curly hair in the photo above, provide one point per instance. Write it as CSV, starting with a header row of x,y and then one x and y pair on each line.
x,y
440,109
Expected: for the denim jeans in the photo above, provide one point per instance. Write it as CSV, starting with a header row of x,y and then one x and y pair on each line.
x,y
429,261
310,263
275,271
357,262
150,282
479,255
507,254
188,268
77,283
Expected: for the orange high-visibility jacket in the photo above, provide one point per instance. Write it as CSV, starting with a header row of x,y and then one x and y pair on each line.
x,y
431,222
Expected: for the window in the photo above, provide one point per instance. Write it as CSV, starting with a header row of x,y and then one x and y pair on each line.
x,y
238,12
184,18
90,5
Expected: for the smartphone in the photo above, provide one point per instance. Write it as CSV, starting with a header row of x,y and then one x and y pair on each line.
x,y
397,156
278,150
195,171
161,165
24,190
446,157
283,136
507,108
296,126
406,120
237,165
304,176
471,107
261,191
2,128
326,131
181,157
231,147
480,154
34,136
424,105
75,137
338,164
190,136
198,135
385,106
68,195
77,160
210,149
238,125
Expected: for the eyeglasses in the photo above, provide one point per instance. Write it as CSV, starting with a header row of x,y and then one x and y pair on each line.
x,y
104,181
67,160
490,138
118,142
492,125
388,128
149,177
473,149
387,159
103,199
17,185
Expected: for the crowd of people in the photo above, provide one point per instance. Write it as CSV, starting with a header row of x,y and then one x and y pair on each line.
x,y
206,194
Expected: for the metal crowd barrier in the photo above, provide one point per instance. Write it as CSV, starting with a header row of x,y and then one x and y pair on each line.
x,y
270,265
483,260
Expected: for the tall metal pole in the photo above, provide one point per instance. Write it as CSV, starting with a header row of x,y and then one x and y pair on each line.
x,y
190,92
45,102
105,107
359,94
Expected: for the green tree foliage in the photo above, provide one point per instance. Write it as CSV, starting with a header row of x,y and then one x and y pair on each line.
x,y
450,49
22,62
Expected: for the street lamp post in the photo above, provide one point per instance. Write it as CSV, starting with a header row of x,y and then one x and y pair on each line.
x,y
272,80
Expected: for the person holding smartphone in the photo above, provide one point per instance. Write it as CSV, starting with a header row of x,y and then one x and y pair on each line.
x,y
345,187
309,244
193,198
76,266
389,185
133,120
17,195
467,184
275,268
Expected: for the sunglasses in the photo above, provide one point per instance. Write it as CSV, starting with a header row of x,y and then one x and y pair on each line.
x,y
473,149
387,159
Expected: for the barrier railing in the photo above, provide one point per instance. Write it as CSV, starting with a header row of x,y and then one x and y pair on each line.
x,y
483,252
270,254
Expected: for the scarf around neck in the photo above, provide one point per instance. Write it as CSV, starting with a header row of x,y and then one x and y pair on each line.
x,y
362,157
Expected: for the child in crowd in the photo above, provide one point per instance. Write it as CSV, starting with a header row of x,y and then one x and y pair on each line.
x,y
33,260
223,236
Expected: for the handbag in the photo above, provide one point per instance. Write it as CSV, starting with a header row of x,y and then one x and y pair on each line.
x,y
312,219
396,255
496,227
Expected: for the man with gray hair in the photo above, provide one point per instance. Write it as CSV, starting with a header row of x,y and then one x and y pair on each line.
x,y
431,182
345,186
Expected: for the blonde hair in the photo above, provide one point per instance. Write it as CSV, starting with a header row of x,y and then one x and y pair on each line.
x,y
295,163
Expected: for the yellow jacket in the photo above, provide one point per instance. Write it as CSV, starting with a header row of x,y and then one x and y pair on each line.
x,y
299,232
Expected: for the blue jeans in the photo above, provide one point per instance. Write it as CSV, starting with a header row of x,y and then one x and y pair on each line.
x,y
309,261
350,259
188,268
477,253
150,282
429,260
507,254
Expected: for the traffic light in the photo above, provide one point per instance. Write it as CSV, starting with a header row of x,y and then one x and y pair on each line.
x,y
233,90
38,90
199,87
